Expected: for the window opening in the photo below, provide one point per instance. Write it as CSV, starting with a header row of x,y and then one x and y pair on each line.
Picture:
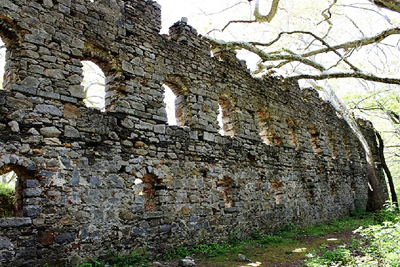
x,y
219,120
170,100
2,63
8,199
94,85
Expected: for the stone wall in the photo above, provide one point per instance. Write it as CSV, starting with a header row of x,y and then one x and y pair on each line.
x,y
90,182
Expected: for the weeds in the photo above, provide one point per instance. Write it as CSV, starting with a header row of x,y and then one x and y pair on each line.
x,y
376,245
342,255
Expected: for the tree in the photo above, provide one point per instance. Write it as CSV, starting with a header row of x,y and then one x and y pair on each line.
x,y
326,44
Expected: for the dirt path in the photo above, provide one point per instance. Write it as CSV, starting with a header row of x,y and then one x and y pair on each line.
x,y
287,254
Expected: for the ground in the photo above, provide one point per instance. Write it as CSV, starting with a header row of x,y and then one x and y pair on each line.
x,y
287,254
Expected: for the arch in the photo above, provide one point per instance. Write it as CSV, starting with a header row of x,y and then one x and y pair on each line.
x,y
111,70
94,85
229,119
169,100
179,86
7,194
20,189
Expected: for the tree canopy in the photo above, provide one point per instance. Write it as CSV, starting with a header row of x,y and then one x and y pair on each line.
x,y
346,48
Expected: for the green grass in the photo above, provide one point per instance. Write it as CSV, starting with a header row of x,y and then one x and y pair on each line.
x,y
375,245
6,189
259,245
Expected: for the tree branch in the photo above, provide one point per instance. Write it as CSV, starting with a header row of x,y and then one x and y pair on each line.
x,y
367,77
393,5
265,18
357,43
237,21
236,45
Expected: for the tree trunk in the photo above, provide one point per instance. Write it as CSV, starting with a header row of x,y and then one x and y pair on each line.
x,y
386,169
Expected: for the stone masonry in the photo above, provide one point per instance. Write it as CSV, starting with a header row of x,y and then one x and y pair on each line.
x,y
91,182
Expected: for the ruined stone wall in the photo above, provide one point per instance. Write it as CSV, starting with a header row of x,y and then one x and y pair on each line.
x,y
91,182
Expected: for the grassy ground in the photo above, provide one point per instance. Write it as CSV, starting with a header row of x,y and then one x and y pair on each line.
x,y
288,247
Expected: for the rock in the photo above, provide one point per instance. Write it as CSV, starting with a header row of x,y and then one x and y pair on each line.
x,y
48,109
14,126
50,131
242,258
188,261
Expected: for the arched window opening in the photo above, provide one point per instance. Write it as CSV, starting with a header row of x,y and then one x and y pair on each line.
x,y
2,63
227,117
267,133
175,100
315,140
8,205
17,183
219,120
170,102
94,85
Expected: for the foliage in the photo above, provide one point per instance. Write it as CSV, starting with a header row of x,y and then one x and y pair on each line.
x,y
376,245
7,202
6,189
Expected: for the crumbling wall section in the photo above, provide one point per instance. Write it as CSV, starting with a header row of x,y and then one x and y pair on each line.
x,y
94,181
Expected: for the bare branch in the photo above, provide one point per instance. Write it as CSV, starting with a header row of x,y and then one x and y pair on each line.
x,y
367,77
262,54
393,5
353,44
237,21
271,14
357,43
